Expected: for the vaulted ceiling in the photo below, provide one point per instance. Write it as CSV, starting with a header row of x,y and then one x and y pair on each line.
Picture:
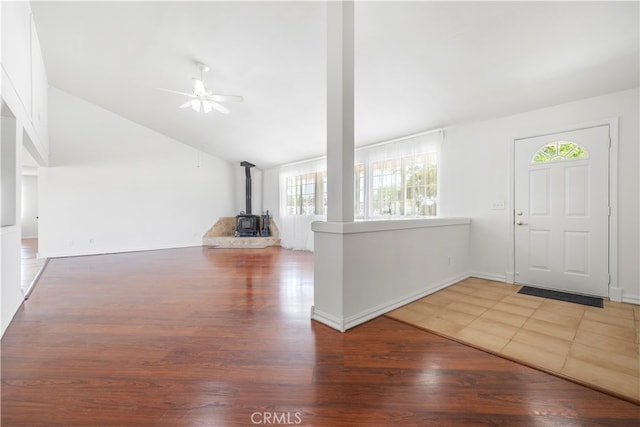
x,y
419,65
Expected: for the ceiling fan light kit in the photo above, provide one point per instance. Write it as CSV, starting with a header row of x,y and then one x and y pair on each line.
x,y
204,99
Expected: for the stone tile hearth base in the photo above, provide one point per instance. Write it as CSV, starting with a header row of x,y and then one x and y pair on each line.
x,y
222,235
240,242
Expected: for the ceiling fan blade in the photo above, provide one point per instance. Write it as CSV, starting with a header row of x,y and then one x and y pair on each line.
x,y
220,108
198,87
190,95
226,98
204,99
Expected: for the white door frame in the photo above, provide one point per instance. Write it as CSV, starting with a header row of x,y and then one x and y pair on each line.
x,y
615,293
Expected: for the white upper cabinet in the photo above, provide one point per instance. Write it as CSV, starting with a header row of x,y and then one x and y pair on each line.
x,y
24,86
16,49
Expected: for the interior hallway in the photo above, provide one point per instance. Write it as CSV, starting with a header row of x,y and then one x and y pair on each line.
x,y
219,337
30,264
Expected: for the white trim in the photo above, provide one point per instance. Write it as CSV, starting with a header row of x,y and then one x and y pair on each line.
x,y
382,309
119,251
384,225
615,294
27,292
490,276
349,322
573,129
613,202
327,319
511,253
631,299
613,193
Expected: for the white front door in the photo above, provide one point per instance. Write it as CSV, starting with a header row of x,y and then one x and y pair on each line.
x,y
561,211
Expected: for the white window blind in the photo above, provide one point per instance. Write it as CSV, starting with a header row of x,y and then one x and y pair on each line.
x,y
396,178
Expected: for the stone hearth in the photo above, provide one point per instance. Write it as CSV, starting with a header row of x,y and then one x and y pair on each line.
x,y
222,235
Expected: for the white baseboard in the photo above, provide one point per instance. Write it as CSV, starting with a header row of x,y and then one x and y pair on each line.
x,y
327,319
489,276
631,299
615,294
72,254
381,309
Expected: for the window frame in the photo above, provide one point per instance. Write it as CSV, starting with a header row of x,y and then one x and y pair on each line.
x,y
365,204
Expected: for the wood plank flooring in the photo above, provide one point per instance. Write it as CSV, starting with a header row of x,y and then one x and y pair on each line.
x,y
222,337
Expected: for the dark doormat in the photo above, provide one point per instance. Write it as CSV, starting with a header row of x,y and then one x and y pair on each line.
x,y
562,296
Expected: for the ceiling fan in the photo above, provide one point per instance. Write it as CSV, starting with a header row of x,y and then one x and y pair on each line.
x,y
202,98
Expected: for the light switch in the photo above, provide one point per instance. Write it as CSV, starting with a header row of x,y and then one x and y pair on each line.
x,y
497,205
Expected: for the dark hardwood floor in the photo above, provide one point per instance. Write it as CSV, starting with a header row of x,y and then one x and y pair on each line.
x,y
216,337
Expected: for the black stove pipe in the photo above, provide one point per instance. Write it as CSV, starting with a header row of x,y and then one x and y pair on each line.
x,y
247,173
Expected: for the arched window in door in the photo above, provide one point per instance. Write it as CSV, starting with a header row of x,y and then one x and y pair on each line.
x,y
559,150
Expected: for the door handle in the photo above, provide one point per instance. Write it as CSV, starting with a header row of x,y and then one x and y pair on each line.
x,y
521,223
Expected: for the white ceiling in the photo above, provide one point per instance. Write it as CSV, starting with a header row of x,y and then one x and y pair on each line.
x,y
419,65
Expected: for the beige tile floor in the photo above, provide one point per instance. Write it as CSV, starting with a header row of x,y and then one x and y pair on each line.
x,y
594,346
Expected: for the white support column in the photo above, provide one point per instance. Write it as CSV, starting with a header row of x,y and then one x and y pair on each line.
x,y
330,269
356,276
340,110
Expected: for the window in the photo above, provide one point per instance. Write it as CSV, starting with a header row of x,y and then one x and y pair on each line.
x,y
321,203
386,186
559,150
390,179
301,191
307,193
421,185
405,187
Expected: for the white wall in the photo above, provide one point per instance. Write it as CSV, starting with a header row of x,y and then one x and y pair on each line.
x,y
10,292
9,170
114,185
29,206
476,170
24,94
365,269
